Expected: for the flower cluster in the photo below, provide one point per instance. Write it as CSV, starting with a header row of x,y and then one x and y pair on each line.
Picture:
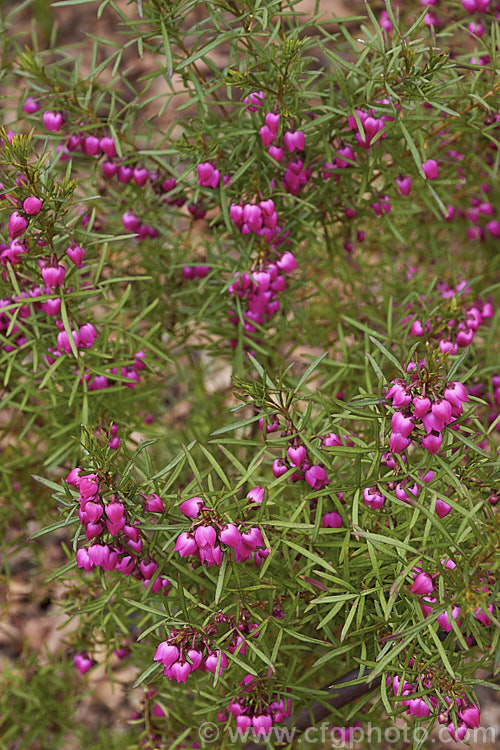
x,y
367,126
258,218
295,176
102,520
185,651
254,711
467,712
459,322
314,474
424,585
127,375
210,531
405,489
258,291
425,403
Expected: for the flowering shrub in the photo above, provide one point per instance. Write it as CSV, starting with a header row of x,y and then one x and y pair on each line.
x,y
251,359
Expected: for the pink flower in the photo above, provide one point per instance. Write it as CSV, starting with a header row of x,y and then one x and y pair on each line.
x,y
262,724
276,152
82,662
418,707
455,393
90,145
470,716
444,620
404,185
17,225
400,423
74,476
423,584
180,671
83,560
252,538
87,335
373,498
254,100
331,521
267,136
52,120
294,140
185,544
140,176
272,122
89,485
297,455
431,169
166,653
109,169
211,662
287,263
115,511
32,205
154,504
53,275
442,508
76,254
208,176
398,442
432,442
421,405
256,494
192,507
107,146
230,535
316,477
279,467
30,105
205,536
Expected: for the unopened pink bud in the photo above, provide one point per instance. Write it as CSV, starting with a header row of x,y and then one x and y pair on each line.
x,y
276,152
30,105
431,169
76,254
297,455
109,169
130,221
91,145
115,511
82,662
267,136
52,120
32,205
272,122
108,147
140,176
